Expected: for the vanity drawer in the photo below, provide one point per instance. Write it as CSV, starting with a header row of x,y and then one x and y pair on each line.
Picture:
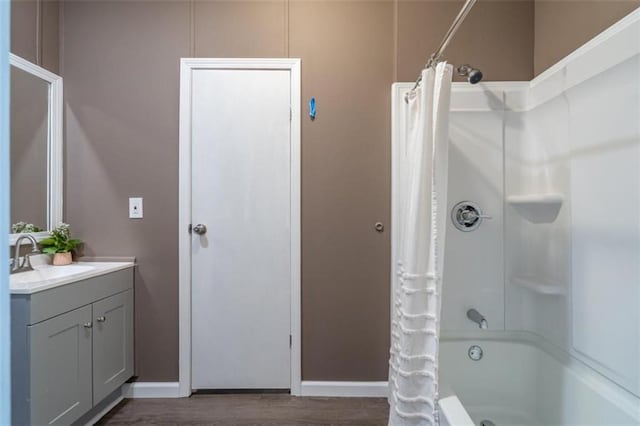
x,y
58,300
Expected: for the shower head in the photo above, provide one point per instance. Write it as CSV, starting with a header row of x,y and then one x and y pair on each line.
x,y
473,75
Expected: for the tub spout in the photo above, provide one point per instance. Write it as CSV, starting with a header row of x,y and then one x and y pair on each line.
x,y
478,318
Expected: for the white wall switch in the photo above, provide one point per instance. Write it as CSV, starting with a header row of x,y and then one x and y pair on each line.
x,y
135,208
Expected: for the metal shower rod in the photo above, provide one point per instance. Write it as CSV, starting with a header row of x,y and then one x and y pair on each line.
x,y
437,55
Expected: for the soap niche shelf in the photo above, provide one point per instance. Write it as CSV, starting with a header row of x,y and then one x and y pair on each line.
x,y
537,285
537,208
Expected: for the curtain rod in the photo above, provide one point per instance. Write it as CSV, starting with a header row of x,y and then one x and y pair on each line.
x,y
437,55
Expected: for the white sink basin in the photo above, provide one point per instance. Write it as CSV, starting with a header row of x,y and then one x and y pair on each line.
x,y
48,273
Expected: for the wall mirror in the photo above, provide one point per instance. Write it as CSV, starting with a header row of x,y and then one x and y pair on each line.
x,y
36,149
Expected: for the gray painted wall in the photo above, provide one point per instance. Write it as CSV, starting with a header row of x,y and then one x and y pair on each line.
x,y
35,32
120,65
563,26
497,37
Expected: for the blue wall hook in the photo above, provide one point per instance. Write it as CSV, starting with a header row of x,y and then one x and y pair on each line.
x,y
312,108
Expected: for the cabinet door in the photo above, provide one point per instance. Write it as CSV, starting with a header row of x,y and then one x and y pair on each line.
x,y
61,368
112,343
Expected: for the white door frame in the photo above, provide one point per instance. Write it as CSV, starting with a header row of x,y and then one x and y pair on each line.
x,y
187,65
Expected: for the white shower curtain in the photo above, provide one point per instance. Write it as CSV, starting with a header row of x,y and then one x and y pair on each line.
x,y
415,327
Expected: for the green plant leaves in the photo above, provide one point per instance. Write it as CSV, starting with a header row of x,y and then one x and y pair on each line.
x,y
60,241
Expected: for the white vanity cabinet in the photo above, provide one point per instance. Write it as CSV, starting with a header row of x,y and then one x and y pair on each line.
x,y
72,346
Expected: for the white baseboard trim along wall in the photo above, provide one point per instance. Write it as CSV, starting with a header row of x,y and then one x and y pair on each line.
x,y
151,390
309,388
346,389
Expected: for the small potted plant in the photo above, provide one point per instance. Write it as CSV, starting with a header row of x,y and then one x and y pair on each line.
x,y
60,244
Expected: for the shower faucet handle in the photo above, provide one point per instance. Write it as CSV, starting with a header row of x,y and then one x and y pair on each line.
x,y
472,215
467,216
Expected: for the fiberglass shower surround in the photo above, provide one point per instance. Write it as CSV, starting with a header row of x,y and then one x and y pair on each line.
x,y
556,272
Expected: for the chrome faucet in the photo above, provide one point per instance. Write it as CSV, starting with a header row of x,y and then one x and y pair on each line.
x,y
25,265
478,318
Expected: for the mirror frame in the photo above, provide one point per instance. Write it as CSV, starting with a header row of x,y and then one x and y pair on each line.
x,y
54,144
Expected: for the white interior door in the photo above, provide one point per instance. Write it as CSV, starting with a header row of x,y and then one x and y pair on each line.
x,y
241,192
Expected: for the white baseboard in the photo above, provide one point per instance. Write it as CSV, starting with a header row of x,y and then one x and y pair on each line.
x,y
151,390
345,389
308,388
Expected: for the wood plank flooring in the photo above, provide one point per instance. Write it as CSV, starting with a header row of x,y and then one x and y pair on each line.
x,y
250,409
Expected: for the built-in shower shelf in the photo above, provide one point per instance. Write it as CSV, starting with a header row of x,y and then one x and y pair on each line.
x,y
537,208
537,285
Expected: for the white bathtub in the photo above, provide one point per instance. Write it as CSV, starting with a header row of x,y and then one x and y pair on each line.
x,y
521,380
453,413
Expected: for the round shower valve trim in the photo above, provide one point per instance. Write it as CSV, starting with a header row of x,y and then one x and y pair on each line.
x,y
467,216
475,353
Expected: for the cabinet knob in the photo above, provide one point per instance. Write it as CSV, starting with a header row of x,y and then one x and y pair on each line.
x,y
101,319
88,324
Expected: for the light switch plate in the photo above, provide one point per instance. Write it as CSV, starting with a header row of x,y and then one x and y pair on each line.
x,y
135,208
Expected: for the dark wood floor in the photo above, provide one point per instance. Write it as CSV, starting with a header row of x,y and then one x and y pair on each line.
x,y
250,409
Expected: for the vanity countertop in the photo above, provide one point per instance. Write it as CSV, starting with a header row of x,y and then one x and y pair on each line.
x,y
45,276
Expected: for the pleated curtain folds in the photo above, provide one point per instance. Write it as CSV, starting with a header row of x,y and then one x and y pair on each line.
x,y
415,327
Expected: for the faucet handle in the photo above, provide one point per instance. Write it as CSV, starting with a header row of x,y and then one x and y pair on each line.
x,y
472,215
26,260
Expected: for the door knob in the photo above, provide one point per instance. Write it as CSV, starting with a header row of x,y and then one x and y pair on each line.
x,y
200,229
88,324
101,319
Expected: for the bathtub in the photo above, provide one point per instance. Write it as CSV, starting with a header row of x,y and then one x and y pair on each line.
x,y
521,380
453,413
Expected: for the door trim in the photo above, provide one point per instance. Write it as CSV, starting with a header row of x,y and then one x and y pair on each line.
x,y
187,65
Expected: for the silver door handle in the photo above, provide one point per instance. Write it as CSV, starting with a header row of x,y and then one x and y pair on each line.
x,y
200,229
88,324
101,319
